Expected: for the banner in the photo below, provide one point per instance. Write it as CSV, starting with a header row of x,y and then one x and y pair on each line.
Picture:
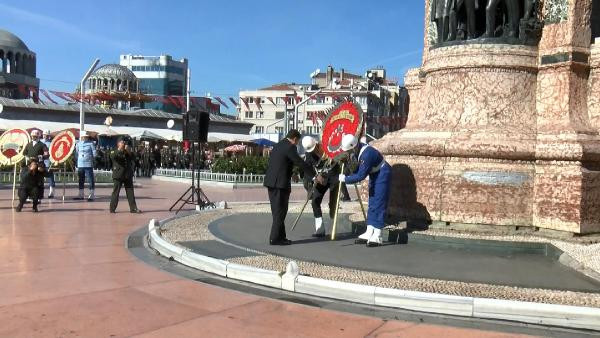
x,y
345,118
62,146
12,146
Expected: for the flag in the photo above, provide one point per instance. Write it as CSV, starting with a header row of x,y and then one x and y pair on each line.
x,y
257,100
221,102
173,101
245,100
22,89
271,99
233,101
45,93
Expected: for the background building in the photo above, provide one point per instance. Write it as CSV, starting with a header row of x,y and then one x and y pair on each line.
x,y
114,86
17,68
158,75
383,101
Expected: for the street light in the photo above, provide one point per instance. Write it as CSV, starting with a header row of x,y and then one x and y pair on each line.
x,y
82,92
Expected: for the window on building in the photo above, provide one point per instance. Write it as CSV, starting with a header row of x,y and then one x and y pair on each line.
x,y
279,101
279,130
259,129
279,115
309,130
250,99
249,114
260,114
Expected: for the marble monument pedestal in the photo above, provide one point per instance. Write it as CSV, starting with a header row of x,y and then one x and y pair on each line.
x,y
481,147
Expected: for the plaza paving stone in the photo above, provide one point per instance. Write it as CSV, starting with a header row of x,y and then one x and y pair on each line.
x,y
66,272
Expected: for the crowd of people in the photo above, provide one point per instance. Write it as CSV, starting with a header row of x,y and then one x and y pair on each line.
x,y
147,158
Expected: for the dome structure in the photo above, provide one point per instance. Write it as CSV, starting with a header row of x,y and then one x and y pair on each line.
x,y
17,68
113,78
114,71
10,41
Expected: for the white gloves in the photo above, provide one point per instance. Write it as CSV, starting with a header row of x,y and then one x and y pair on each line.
x,y
342,178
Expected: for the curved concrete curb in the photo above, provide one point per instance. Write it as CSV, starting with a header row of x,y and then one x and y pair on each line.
x,y
290,280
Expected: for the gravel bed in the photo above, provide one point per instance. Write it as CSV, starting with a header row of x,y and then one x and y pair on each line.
x,y
195,227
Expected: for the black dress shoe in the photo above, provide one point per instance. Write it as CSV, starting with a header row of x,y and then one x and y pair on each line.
x,y
113,211
319,235
19,208
280,242
136,211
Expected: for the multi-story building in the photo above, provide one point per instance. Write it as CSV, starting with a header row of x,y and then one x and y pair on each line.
x,y
383,102
158,75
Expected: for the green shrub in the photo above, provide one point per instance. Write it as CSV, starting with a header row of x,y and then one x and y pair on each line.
x,y
253,164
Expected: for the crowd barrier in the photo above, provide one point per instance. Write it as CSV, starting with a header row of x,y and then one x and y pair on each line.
x,y
101,176
211,176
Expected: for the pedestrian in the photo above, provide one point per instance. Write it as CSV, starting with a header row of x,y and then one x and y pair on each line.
x,y
86,153
36,150
373,165
278,182
29,187
122,175
327,180
47,139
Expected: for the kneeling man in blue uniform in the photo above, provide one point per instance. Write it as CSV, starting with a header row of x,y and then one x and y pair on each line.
x,y
372,164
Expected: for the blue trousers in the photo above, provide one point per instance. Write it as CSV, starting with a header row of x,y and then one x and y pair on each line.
x,y
379,192
83,173
50,178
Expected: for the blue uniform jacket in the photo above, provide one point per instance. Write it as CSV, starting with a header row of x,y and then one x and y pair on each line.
x,y
372,164
86,152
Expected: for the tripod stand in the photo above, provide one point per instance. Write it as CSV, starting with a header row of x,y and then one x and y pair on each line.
x,y
194,194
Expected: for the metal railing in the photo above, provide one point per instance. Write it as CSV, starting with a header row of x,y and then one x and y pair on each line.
x,y
100,176
211,176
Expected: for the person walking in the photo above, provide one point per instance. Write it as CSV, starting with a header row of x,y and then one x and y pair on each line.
x,y
86,153
47,140
278,182
122,174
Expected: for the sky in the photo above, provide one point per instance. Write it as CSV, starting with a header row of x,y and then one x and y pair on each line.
x,y
231,45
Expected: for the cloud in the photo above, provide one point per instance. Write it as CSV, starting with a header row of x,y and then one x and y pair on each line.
x,y
393,58
65,27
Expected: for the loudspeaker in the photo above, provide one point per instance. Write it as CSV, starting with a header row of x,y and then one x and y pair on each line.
x,y
195,126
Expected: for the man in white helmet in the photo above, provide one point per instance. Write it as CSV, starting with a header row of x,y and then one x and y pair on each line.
x,y
36,150
372,164
47,140
323,182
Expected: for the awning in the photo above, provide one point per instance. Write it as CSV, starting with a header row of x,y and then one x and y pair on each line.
x,y
226,137
147,135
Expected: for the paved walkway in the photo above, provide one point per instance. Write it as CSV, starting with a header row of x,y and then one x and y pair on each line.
x,y
66,272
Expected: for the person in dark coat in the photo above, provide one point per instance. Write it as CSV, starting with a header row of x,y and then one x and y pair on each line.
x,y
278,182
122,166
38,151
29,187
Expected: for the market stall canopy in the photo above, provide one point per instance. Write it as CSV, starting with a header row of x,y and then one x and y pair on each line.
x,y
264,142
110,132
236,148
227,137
147,135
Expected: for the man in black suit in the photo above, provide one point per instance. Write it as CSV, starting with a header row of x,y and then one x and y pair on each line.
x,y
122,174
278,181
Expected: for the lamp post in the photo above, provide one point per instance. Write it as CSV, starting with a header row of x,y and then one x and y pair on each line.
x,y
302,103
82,92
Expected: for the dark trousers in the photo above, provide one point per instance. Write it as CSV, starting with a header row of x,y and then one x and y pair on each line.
x,y
317,199
83,173
345,193
32,193
114,199
279,199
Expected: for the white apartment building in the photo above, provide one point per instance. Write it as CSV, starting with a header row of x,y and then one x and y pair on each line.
x,y
378,98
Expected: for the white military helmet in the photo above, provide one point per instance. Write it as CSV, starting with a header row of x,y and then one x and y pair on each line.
x,y
349,142
309,143
46,132
35,132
